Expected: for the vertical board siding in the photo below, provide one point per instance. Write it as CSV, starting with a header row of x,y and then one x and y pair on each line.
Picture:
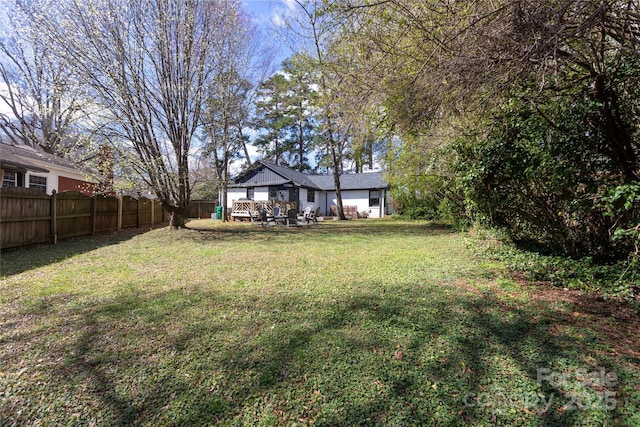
x,y
144,212
159,214
201,208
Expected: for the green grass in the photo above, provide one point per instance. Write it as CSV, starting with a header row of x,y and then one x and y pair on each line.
x,y
342,323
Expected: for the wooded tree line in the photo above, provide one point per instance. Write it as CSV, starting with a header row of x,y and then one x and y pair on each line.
x,y
522,114
519,114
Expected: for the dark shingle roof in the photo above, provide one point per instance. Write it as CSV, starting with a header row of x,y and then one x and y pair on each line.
x,y
22,157
354,181
297,177
359,181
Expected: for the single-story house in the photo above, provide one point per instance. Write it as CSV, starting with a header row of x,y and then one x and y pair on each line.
x,y
363,194
24,166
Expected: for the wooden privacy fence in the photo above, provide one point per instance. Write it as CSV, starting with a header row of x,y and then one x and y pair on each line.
x,y
30,216
201,208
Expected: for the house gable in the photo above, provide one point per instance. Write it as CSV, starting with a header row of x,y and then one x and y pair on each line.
x,y
259,177
266,174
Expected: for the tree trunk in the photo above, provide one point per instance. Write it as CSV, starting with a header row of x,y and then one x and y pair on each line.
x,y
621,143
246,149
223,192
301,144
337,171
177,219
224,181
336,180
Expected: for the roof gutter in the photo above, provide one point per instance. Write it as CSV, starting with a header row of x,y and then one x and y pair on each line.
x,y
20,167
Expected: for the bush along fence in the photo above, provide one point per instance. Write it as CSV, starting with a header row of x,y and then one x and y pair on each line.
x,y
30,216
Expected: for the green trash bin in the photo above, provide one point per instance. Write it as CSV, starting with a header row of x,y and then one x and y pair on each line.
x,y
218,212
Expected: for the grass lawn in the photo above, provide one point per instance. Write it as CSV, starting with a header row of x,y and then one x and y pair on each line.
x,y
374,322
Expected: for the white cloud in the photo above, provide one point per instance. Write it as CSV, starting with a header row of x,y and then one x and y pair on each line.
x,y
278,20
291,4
4,108
283,12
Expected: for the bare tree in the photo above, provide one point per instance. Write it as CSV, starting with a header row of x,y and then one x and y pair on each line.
x,y
149,63
242,59
224,126
39,92
315,30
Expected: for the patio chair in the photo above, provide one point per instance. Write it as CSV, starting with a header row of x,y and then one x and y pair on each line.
x,y
292,218
264,219
305,214
278,218
253,216
313,215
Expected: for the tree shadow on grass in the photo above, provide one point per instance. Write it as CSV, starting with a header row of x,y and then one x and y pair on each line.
x,y
208,231
18,260
424,355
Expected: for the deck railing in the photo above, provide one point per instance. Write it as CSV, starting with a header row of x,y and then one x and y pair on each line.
x,y
241,208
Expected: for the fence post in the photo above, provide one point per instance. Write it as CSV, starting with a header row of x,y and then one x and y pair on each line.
x,y
138,212
54,217
120,212
153,211
94,211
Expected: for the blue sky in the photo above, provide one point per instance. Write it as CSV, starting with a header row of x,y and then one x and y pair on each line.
x,y
269,15
269,10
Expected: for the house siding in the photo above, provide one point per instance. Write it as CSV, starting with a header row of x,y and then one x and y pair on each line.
x,y
235,194
59,183
263,175
358,198
319,198
261,193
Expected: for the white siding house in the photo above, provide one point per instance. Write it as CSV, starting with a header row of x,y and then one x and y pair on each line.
x,y
363,194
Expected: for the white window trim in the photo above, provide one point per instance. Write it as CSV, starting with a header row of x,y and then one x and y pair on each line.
x,y
38,186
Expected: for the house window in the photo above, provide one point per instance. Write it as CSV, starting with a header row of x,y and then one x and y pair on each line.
x,y
38,183
250,193
311,196
374,198
283,195
10,179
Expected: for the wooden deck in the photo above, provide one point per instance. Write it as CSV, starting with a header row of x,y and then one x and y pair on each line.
x,y
241,208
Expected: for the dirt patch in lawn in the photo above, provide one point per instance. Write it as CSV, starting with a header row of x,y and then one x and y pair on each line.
x,y
616,323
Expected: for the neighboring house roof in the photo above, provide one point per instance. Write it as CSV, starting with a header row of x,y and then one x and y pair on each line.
x,y
15,158
282,175
24,158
